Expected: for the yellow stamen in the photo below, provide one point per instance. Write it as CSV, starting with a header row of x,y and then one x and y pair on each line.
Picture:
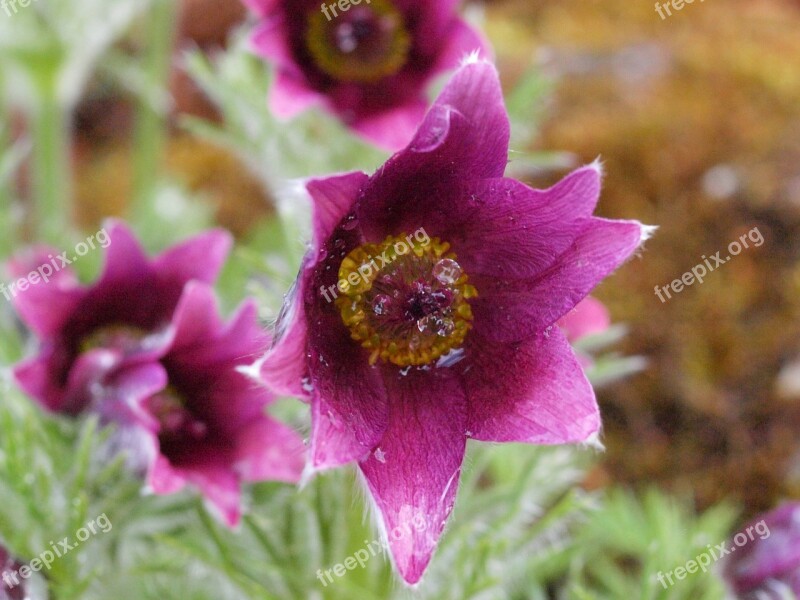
x,y
338,51
404,301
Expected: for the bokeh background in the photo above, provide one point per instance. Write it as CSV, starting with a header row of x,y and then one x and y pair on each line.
x,y
697,119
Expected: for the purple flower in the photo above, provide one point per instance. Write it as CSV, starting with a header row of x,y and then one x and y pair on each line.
x,y
766,564
199,418
369,64
144,348
425,312
589,317
87,332
12,585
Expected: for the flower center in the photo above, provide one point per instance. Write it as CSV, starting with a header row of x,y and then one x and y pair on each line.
x,y
405,302
125,338
364,44
174,418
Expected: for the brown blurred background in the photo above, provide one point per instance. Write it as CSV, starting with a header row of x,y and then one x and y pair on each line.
x,y
697,118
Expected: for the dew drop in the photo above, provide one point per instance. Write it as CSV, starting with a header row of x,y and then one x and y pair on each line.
x,y
380,455
380,304
451,358
445,327
350,223
436,325
447,271
425,324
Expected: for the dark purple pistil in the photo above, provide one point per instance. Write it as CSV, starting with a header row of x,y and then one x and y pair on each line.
x,y
425,301
363,34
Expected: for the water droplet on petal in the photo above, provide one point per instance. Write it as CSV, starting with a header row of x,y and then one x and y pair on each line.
x,y
451,358
447,271
425,324
380,455
350,223
445,327
380,304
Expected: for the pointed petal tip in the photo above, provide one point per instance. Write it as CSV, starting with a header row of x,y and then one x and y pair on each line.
x,y
253,370
593,442
648,231
308,474
597,166
230,517
475,57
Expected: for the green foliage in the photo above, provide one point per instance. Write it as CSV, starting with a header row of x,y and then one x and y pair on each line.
x,y
237,81
521,529
631,539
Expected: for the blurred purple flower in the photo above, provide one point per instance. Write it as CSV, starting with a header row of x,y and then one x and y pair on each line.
x,y
589,317
425,312
12,586
202,418
144,348
768,567
369,65
87,332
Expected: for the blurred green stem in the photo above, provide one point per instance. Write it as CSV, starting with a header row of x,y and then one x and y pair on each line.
x,y
151,126
52,185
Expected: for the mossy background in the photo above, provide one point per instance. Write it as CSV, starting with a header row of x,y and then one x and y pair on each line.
x,y
672,106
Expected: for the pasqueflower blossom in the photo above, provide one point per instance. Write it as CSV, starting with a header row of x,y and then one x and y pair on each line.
x,y
201,419
144,349
369,64
87,332
12,585
425,312
767,560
